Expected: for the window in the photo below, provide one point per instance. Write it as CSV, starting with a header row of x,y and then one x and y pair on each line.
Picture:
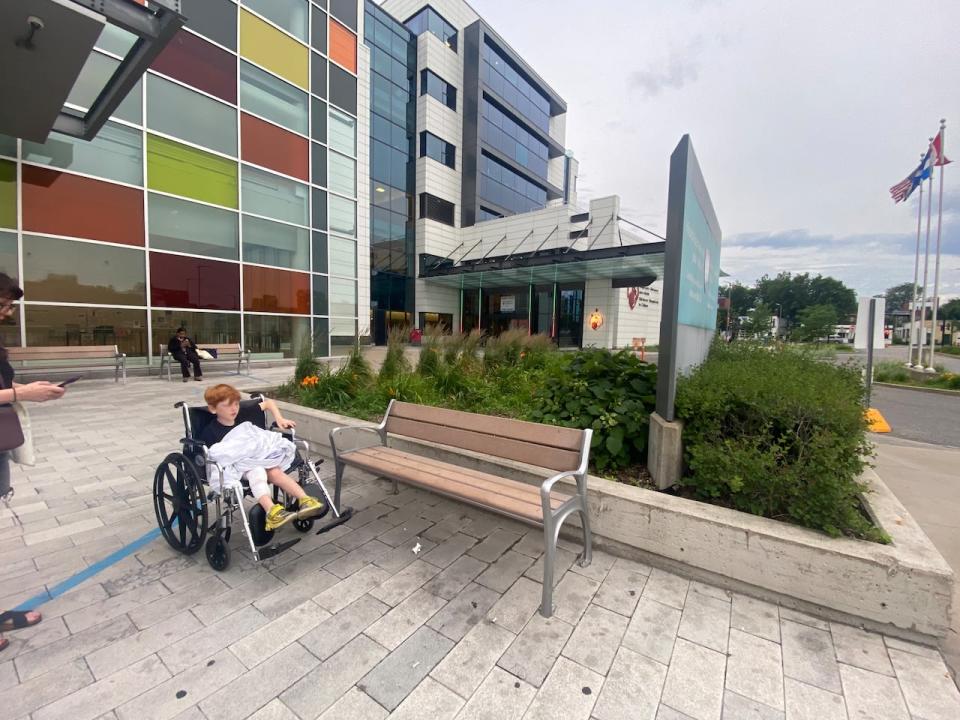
x,y
343,174
486,214
212,328
342,133
432,84
343,46
270,243
266,144
440,150
291,15
434,208
188,227
343,335
114,40
274,196
319,209
504,79
275,335
345,11
343,89
319,252
437,321
196,62
343,256
8,193
93,77
8,255
125,328
58,270
187,282
503,186
319,36
269,48
318,128
429,20
279,291
318,83
8,146
343,297
182,170
510,137
217,19
178,111
321,302
343,216
321,337
269,97
116,153
319,164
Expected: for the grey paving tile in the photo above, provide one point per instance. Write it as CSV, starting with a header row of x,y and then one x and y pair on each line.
x,y
531,544
653,630
20,700
363,535
803,618
871,696
470,660
572,595
354,705
621,588
668,713
335,632
449,550
301,566
912,648
284,599
108,660
8,675
861,648
806,702
569,692
927,686
405,533
30,665
273,710
463,612
429,701
505,571
345,565
562,562
501,696
755,669
595,640
632,688
808,656
494,545
112,607
536,648
404,583
737,706
666,588
480,524
399,557
225,603
694,684
706,621
166,607
710,591
338,596
403,669
598,568
262,643
51,630
517,605
212,639
755,617
450,581
403,620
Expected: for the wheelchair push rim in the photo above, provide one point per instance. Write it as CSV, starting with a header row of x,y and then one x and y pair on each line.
x,y
180,504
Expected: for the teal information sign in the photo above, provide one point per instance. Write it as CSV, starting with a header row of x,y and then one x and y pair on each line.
x,y
699,267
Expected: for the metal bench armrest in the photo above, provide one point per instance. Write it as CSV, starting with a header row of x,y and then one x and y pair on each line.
x,y
380,430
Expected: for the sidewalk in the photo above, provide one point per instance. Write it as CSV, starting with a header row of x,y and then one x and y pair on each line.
x,y
358,624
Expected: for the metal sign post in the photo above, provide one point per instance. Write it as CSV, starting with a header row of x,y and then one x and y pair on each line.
x,y
871,319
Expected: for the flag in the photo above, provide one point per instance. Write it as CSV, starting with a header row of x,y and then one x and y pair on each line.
x,y
904,189
937,147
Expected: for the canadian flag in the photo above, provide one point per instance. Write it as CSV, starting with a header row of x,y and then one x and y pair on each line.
x,y
937,147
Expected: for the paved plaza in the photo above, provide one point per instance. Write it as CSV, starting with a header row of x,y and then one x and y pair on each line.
x,y
419,607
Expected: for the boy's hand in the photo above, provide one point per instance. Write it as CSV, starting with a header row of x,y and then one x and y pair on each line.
x,y
285,424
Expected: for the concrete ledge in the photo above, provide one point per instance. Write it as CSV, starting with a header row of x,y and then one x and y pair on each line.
x,y
932,390
902,589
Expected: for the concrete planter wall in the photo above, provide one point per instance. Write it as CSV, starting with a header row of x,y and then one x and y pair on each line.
x,y
902,589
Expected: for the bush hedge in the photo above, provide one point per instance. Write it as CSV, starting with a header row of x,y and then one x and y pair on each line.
x,y
778,433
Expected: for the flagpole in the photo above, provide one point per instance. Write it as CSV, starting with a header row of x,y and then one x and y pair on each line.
x,y
926,265
936,272
916,272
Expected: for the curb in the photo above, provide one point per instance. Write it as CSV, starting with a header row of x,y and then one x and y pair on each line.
x,y
932,391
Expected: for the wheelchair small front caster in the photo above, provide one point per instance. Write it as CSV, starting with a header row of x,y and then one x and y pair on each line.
x,y
303,525
218,553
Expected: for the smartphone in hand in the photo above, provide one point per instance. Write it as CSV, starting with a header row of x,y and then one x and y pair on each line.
x,y
68,381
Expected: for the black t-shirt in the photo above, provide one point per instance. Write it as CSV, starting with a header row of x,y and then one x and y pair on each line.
x,y
214,432
6,372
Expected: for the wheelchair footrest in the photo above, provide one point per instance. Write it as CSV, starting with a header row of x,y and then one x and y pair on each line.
x,y
345,514
273,550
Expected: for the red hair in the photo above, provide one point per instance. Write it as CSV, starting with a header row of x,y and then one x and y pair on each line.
x,y
221,393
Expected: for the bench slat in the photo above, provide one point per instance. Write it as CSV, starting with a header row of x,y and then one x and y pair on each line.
x,y
558,437
504,447
63,353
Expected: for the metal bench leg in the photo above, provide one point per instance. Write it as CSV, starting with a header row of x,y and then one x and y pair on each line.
x,y
339,480
587,557
549,555
396,487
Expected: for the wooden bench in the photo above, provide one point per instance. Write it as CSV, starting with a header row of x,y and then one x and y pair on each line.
x,y
564,450
228,352
84,353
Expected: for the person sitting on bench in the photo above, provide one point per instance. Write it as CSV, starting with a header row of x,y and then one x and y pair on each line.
x,y
184,350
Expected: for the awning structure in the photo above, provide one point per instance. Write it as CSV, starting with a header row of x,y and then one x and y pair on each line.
x,y
45,46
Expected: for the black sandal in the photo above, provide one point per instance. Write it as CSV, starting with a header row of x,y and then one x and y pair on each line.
x,y
4,643
16,620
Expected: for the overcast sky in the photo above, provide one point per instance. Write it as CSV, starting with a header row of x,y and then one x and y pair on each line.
x,y
802,115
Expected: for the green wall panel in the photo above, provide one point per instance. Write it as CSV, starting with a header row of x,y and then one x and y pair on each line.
x,y
182,170
8,194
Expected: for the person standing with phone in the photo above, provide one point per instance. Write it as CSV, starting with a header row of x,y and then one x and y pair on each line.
x,y
11,392
184,351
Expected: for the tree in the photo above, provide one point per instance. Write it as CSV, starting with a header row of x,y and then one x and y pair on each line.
x,y
757,323
830,291
791,294
816,322
950,310
899,297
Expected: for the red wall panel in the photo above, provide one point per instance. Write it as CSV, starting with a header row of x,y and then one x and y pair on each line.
x,y
267,145
196,62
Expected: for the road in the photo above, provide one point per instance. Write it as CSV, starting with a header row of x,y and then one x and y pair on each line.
x,y
951,363
921,416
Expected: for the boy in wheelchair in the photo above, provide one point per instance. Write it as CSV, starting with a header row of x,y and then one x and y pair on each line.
x,y
257,454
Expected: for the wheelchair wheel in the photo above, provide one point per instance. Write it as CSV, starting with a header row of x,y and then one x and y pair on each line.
x,y
218,553
180,504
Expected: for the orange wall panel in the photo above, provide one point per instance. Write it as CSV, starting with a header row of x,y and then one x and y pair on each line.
x,y
265,144
343,46
275,290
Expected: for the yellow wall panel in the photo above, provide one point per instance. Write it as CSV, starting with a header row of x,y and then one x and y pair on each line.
x,y
279,53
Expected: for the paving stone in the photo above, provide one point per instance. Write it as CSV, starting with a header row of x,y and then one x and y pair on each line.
x,y
362,535
754,668
572,595
8,675
399,557
335,632
536,648
212,639
20,700
871,696
354,705
58,531
595,640
494,545
176,696
429,701
737,706
403,669
323,685
505,571
711,591
632,688
302,566
82,597
531,544
755,617
258,686
30,665
861,648
111,607
345,565
273,637
159,610
501,696
621,588
449,582
927,686
403,620
338,596
225,603
808,656
92,700
517,605
804,619
561,563
471,659
51,630
598,568
108,660
653,630
479,524
912,648
668,713
569,692
284,599
464,612
274,710
666,588
404,583
806,702
405,532
444,530
694,683
444,554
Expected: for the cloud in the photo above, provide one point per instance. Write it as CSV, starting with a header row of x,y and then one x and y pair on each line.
x,y
679,69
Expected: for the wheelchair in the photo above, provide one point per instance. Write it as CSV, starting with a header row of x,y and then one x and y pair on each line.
x,y
183,495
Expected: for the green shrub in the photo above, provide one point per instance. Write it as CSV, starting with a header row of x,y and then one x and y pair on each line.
x,y
306,364
890,371
777,433
357,368
395,362
612,393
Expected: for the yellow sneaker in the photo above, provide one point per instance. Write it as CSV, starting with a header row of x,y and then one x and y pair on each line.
x,y
309,507
278,517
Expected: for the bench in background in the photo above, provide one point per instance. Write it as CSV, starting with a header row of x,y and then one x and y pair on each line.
x,y
80,357
228,352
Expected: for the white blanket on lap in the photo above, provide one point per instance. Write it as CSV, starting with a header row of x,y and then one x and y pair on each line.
x,y
247,447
